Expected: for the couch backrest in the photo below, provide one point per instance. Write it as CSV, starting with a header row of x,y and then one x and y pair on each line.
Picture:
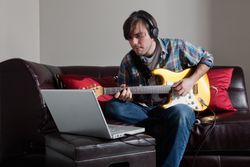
x,y
237,90
95,71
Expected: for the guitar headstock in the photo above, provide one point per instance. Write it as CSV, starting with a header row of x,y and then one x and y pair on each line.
x,y
97,89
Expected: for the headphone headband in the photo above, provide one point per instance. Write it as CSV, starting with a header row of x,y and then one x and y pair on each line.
x,y
153,30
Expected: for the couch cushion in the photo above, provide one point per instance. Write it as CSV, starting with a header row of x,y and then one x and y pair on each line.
x,y
80,148
228,135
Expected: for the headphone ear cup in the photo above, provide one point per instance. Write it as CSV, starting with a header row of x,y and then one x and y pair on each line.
x,y
154,32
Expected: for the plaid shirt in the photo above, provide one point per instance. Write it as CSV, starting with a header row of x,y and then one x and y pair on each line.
x,y
177,55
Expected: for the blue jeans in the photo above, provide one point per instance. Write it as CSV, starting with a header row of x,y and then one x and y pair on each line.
x,y
171,127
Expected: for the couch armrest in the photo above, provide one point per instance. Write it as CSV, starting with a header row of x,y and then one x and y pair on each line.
x,y
23,113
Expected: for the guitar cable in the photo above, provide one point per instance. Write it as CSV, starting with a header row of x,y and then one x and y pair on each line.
x,y
208,132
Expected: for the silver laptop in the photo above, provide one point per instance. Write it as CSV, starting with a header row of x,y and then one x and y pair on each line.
x,y
77,111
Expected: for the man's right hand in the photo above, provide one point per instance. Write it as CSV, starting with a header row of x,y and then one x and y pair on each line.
x,y
125,94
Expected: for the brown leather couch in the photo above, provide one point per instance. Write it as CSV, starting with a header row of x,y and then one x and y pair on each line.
x,y
26,124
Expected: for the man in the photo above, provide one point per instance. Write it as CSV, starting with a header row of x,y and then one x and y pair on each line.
x,y
148,53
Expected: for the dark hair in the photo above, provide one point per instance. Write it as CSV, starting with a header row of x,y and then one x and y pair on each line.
x,y
148,20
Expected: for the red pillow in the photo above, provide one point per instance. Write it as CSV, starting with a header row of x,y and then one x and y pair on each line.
x,y
220,80
82,82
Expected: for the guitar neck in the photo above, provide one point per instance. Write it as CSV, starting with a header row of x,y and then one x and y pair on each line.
x,y
156,89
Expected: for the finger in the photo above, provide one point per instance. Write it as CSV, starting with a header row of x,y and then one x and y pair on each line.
x,y
122,95
128,96
181,92
184,93
177,83
117,95
178,88
124,92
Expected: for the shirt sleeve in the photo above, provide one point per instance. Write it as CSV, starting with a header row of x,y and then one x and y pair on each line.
x,y
196,55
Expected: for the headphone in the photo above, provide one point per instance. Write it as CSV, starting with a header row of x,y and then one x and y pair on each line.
x,y
153,30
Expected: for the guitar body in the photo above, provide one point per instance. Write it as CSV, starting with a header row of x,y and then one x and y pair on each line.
x,y
198,98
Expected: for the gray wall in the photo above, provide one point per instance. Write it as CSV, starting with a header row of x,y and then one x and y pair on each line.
x,y
19,29
89,32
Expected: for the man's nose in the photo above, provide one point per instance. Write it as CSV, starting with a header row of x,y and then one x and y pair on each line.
x,y
133,41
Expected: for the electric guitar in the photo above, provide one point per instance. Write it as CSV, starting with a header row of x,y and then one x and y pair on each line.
x,y
197,98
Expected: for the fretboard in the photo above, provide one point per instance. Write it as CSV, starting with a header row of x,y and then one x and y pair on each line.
x,y
156,89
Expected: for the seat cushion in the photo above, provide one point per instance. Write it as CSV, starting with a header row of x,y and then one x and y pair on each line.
x,y
228,135
81,148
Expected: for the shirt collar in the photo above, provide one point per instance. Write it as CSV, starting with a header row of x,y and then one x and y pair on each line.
x,y
163,46
163,54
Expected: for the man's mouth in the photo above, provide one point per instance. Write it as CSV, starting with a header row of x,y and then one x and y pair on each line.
x,y
138,48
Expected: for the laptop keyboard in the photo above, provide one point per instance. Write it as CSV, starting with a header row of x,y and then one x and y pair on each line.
x,y
117,128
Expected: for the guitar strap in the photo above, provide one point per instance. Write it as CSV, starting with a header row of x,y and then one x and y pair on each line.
x,y
144,71
145,66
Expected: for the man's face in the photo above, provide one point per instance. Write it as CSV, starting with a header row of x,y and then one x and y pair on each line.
x,y
140,40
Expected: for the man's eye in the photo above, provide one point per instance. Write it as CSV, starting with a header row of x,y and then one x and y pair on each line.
x,y
139,36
